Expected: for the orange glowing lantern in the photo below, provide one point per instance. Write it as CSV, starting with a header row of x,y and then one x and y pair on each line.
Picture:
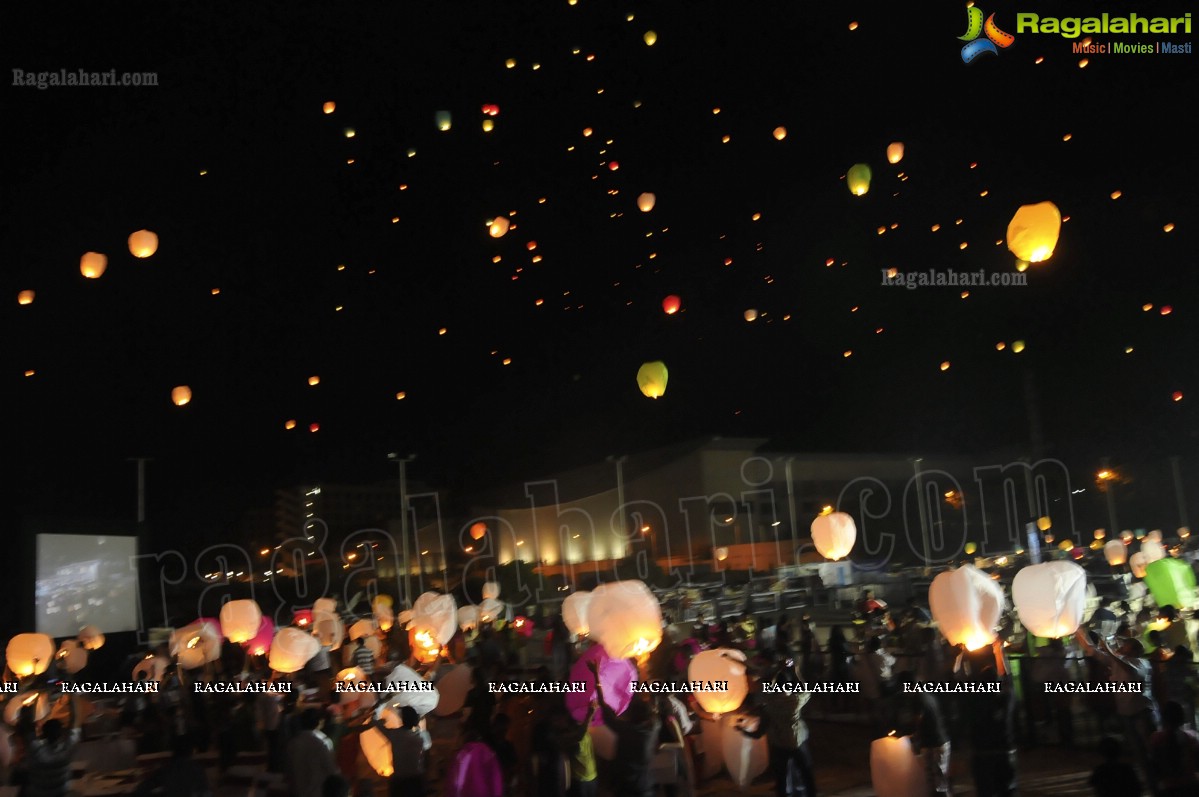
x,y
25,297
671,304
92,265
181,395
143,244
478,530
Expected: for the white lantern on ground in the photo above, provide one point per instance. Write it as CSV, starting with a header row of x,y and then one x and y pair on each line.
x,y
491,590
418,693
720,664
240,620
291,650
574,612
745,758
377,749
1051,598
834,535
468,618
626,618
452,689
1115,552
967,605
1137,563
29,654
91,638
72,657
895,770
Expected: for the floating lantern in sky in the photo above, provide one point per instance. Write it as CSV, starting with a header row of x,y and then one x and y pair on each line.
x,y
945,365
25,297
1044,523
240,620
143,244
1168,227
751,315
29,654
498,227
834,535
780,133
650,38
858,179
488,125
92,265
444,120
967,605
1176,395
314,427
313,381
329,107
626,618
349,132
181,395
510,63
1018,346
1051,598
651,378
671,304
478,530
895,152
1033,231
289,424
491,109
291,649
645,202
613,165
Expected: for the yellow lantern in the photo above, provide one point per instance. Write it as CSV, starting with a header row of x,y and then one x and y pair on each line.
x,y
1032,233
143,244
1051,598
25,297
181,395
29,654
834,535
651,378
574,612
240,620
291,649
1044,523
488,125
645,202
967,605
92,265
780,133
895,152
858,179
722,553
377,749
1018,346
1115,553
444,120
720,664
499,227
971,548
626,618
91,638
650,38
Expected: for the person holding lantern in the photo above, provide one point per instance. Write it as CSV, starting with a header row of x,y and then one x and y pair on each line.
x,y
636,740
781,722
49,757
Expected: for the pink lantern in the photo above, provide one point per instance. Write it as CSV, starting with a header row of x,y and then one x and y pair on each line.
x,y
260,645
615,676
523,626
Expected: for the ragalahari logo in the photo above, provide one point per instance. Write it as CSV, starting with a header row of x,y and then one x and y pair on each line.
x,y
995,38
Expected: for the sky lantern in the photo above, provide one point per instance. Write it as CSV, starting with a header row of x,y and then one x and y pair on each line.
x,y
1018,346
490,109
650,38
1032,233
720,664
498,227
143,243
574,612
181,395
1137,564
491,590
780,133
93,264
376,748
1044,523
645,202
25,297
33,702
671,304
468,618
834,535
349,132
967,605
1171,582
613,165
895,771
895,152
1051,598
240,620
625,618
751,315
651,378
314,380
291,649
1115,553
478,530
29,654
488,125
858,179
1176,395
444,120
329,107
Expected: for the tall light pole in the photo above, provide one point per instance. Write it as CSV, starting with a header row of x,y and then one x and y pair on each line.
x,y
141,487
624,526
923,515
791,509
402,462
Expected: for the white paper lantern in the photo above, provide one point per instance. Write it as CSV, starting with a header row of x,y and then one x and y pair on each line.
x,y
967,605
626,618
646,201
437,615
1154,536
491,590
745,758
712,743
29,654
363,628
153,666
834,535
328,628
895,770
1137,564
419,694
240,620
377,749
1153,550
196,644
291,649
325,605
720,664
1115,552
468,618
491,610
452,689
72,656
574,612
1051,598
91,638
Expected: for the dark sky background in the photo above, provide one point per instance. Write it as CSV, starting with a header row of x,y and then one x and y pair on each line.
x,y
240,95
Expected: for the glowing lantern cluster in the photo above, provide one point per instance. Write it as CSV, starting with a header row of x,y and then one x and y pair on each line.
x,y
858,179
895,152
967,605
651,379
240,620
834,535
291,649
143,244
574,612
92,265
720,664
1033,231
498,227
180,395
25,297
626,618
646,201
490,109
29,654
1051,598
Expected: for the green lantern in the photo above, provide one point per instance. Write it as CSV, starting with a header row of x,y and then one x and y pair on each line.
x,y
651,378
443,120
858,179
1171,582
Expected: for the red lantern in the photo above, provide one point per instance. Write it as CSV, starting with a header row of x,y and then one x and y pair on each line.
x,y
613,165
671,304
302,618
478,530
491,110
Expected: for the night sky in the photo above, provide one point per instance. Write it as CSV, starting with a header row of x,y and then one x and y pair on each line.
x,y
231,161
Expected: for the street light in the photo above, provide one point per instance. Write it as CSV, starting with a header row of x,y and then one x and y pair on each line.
x,y
402,462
